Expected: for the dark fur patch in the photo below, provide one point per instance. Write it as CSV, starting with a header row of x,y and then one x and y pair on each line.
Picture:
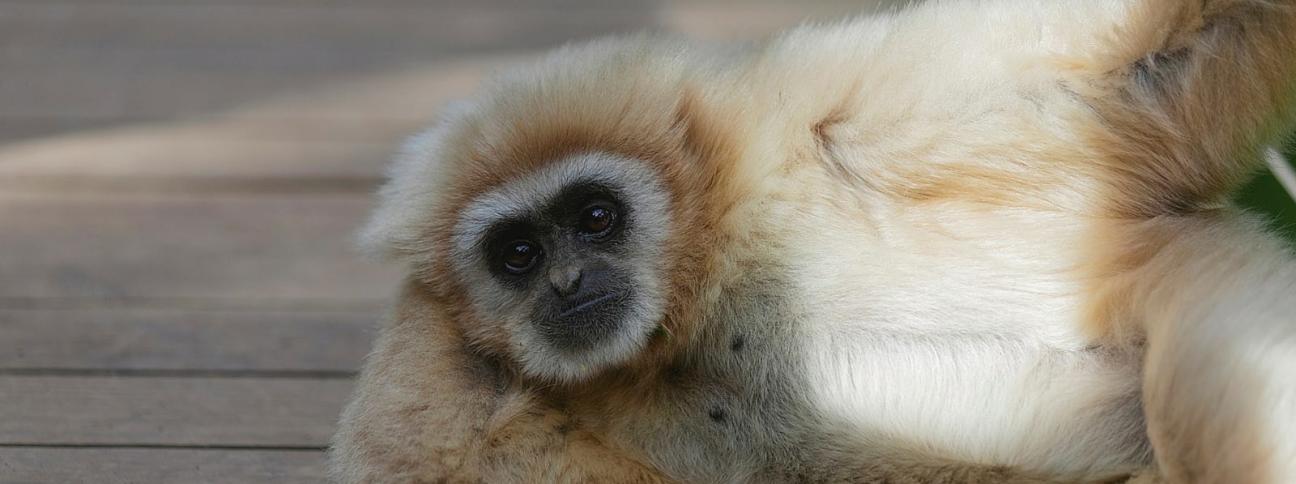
x,y
821,131
717,415
1159,72
674,374
737,344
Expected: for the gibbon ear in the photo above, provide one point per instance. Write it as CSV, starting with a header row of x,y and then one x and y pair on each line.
x,y
407,202
1190,95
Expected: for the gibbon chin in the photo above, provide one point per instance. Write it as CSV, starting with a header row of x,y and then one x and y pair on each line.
x,y
968,241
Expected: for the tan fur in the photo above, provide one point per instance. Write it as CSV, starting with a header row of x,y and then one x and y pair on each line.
x,y
1184,126
1205,388
466,425
1222,85
1066,198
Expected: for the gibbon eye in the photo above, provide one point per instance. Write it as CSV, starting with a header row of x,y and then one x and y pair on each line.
x,y
597,219
520,256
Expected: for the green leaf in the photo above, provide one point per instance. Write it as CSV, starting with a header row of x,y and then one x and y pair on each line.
x,y
1266,196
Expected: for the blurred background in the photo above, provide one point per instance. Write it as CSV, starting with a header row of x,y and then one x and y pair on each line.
x,y
179,182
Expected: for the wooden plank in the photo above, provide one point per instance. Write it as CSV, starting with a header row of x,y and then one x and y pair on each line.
x,y
226,247
361,28
341,129
281,412
112,466
344,129
365,4
267,122
15,129
134,61
169,339
442,4
160,91
213,152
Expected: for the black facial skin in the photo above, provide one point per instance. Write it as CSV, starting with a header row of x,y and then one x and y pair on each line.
x,y
569,256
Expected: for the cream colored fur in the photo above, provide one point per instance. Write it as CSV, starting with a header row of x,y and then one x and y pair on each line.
x,y
971,241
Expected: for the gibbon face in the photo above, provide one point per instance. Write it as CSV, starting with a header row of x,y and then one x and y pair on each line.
x,y
567,259
562,215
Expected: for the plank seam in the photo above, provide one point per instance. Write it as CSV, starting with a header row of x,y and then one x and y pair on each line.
x,y
79,445
181,373
194,184
191,304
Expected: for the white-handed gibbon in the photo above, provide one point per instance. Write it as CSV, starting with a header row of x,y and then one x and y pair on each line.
x,y
968,241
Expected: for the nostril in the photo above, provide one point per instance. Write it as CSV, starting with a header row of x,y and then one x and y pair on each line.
x,y
566,281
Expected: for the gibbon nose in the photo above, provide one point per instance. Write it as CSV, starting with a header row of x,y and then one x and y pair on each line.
x,y
566,280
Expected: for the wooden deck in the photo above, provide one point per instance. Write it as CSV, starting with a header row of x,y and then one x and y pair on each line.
x,y
179,181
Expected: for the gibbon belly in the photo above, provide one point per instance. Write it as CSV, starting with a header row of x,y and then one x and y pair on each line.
x,y
771,399
768,394
960,335
830,351
985,399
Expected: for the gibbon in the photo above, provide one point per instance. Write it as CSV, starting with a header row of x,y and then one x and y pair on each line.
x,y
967,241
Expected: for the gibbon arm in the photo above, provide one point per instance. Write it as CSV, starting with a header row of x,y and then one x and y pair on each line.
x,y
426,409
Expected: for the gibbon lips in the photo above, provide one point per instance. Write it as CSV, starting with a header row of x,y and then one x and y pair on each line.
x,y
591,302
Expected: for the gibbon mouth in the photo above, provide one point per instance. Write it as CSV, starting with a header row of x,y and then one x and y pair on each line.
x,y
589,303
